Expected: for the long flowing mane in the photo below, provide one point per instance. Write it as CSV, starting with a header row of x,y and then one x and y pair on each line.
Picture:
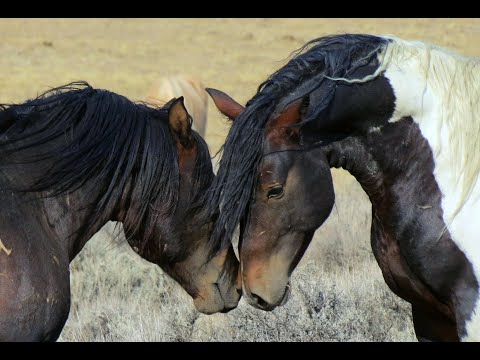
x,y
454,79
74,135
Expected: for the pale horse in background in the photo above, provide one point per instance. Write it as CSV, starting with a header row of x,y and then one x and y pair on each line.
x,y
191,88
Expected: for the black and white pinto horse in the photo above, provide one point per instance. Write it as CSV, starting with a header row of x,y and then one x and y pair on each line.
x,y
403,117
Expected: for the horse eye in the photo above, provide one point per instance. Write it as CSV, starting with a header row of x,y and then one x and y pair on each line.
x,y
275,192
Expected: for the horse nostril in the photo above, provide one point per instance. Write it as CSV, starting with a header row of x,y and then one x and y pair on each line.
x,y
259,300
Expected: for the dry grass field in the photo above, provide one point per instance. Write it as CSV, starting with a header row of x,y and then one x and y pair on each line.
x,y
338,290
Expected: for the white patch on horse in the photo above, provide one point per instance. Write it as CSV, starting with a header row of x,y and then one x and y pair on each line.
x,y
446,117
375,129
4,248
55,260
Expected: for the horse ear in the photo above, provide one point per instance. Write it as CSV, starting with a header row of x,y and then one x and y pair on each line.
x,y
169,103
179,121
227,106
290,115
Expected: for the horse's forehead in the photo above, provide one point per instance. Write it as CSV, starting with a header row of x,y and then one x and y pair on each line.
x,y
276,140
274,167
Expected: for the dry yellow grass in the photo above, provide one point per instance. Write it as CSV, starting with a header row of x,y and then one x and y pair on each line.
x,y
339,293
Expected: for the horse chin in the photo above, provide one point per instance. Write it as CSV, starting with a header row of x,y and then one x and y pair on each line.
x,y
216,300
208,308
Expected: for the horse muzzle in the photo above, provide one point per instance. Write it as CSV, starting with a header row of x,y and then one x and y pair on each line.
x,y
266,301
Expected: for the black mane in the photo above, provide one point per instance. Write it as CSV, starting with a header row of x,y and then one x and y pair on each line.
x,y
75,135
331,56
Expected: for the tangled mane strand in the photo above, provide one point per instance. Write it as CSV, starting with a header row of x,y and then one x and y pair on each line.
x,y
326,59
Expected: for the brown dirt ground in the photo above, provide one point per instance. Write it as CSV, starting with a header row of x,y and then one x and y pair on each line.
x,y
234,55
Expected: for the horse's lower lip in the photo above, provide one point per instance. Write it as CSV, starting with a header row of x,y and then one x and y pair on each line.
x,y
226,310
266,306
261,306
286,295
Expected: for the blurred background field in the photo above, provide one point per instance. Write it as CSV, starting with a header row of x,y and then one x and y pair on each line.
x,y
338,290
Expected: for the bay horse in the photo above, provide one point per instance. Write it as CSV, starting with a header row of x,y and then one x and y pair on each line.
x,y
193,91
76,157
403,118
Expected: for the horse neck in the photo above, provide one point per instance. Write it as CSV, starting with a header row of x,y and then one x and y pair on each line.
x,y
441,92
135,237
389,163
68,217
